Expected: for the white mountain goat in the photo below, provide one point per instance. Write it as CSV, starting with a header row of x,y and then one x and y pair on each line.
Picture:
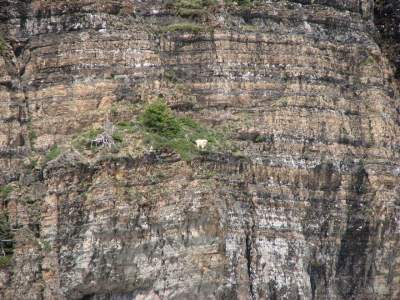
x,y
201,144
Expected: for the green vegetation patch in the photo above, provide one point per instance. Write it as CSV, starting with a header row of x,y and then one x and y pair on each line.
x,y
111,135
158,118
128,127
118,136
193,4
240,2
32,164
5,232
368,61
165,131
2,45
5,261
53,153
45,245
5,235
5,191
84,141
184,27
190,8
32,135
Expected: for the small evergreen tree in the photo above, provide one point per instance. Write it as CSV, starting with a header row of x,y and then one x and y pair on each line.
x,y
158,118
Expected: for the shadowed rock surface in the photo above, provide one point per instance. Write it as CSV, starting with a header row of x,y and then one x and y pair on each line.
x,y
301,202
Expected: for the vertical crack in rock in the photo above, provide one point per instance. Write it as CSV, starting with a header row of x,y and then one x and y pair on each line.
x,y
249,253
353,269
249,261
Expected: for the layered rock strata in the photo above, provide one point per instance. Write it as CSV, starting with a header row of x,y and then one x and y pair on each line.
x,y
303,203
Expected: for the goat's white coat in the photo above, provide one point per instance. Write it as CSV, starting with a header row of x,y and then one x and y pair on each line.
x,y
201,144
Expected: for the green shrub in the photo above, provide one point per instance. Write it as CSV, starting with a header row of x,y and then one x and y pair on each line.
x,y
4,226
5,261
53,153
5,191
171,75
118,137
2,45
158,118
5,234
32,135
114,110
32,163
260,139
45,245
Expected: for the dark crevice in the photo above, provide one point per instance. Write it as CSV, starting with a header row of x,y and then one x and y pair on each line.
x,y
352,264
387,21
249,260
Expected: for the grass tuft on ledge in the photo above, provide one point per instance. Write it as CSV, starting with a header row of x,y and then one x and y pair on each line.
x,y
184,27
53,153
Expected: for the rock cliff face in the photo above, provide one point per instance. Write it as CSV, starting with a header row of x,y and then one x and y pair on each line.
x,y
302,202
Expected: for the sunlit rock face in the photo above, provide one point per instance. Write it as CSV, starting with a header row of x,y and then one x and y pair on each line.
x,y
301,203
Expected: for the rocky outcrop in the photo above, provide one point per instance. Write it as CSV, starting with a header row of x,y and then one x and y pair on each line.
x,y
302,202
